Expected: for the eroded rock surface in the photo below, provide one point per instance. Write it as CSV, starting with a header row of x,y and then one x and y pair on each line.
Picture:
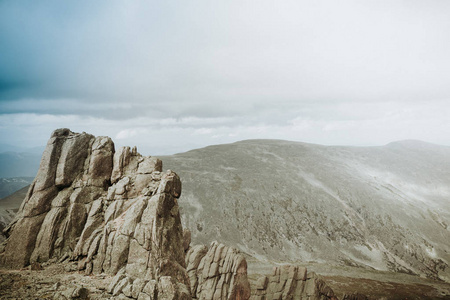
x,y
111,211
292,282
217,272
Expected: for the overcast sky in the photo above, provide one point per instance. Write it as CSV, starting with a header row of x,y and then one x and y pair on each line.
x,y
170,76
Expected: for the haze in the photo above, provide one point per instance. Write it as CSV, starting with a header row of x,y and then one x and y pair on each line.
x,y
174,75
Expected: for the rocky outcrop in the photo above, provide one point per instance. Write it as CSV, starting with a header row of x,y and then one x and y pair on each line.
x,y
292,282
217,272
112,211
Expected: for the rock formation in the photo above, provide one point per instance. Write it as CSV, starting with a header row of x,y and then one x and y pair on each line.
x,y
116,212
219,272
113,212
292,282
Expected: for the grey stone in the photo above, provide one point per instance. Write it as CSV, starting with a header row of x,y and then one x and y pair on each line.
x,y
112,212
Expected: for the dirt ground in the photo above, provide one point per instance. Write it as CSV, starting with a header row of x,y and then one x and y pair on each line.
x,y
374,289
55,281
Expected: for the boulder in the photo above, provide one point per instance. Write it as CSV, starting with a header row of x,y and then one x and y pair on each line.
x,y
292,282
217,272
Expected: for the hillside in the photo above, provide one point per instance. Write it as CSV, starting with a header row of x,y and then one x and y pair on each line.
x,y
10,204
9,186
351,214
382,208
14,200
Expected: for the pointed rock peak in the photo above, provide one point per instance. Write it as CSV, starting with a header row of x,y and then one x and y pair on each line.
x,y
113,211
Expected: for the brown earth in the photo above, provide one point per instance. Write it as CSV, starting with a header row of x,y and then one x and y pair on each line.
x,y
54,281
375,289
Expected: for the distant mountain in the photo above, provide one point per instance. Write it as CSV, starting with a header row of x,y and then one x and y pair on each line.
x,y
14,200
9,207
14,164
386,208
11,148
10,185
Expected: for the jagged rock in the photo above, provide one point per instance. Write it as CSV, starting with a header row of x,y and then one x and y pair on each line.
x,y
292,282
108,211
170,289
219,272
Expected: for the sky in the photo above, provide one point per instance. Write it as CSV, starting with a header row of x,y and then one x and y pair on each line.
x,y
170,76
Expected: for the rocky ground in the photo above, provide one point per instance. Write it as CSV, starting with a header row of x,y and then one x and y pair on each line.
x,y
52,281
376,289
63,281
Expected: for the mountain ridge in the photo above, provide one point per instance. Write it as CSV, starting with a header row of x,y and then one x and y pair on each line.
x,y
284,204
339,193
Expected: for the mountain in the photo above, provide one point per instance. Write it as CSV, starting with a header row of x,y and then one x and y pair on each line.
x,y
14,148
383,208
18,164
10,185
12,193
115,216
10,205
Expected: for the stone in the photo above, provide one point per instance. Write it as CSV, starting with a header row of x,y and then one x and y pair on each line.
x,y
117,278
217,272
80,293
292,282
20,244
120,286
169,289
149,165
121,158
74,150
45,177
262,283
101,162
137,287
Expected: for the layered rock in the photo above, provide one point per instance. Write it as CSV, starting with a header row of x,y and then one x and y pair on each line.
x,y
292,282
217,272
113,212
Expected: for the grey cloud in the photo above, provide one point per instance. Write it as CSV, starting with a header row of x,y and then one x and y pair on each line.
x,y
139,52
244,63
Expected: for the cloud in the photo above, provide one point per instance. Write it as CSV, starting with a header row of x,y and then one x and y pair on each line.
x,y
390,121
204,72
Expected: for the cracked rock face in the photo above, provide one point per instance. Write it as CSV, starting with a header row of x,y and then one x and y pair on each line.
x,y
217,272
112,211
292,282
